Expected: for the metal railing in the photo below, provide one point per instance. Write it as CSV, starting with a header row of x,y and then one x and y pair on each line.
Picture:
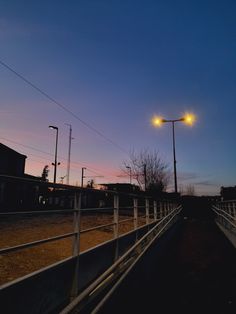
x,y
226,214
120,269
164,208
139,210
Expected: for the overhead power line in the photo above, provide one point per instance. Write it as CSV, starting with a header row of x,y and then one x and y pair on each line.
x,y
62,106
26,146
91,169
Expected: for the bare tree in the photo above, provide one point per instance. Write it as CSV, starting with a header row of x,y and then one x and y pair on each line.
x,y
150,171
190,190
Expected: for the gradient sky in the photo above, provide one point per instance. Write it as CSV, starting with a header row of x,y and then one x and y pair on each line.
x,y
114,64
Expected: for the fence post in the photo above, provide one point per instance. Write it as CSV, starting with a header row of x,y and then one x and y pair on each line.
x,y
234,210
155,209
116,224
229,212
222,207
227,208
161,210
76,242
135,201
165,208
147,210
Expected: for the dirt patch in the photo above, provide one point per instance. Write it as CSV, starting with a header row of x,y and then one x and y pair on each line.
x,y
28,229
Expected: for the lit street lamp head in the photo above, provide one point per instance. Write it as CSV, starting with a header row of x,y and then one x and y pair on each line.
x,y
189,118
157,121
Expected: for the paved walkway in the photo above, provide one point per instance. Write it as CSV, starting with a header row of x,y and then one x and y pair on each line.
x,y
196,274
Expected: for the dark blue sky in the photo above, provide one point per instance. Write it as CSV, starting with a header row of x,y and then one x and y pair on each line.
x,y
115,64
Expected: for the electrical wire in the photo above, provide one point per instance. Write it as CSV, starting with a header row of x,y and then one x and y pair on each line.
x,y
62,106
89,168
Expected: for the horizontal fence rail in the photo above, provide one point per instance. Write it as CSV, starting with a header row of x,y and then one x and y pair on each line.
x,y
142,213
117,272
226,214
226,219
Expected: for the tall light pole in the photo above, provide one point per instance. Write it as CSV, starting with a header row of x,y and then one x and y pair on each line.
x,y
130,174
82,176
173,142
69,153
188,119
55,162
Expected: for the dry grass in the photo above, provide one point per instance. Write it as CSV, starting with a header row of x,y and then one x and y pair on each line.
x,y
15,232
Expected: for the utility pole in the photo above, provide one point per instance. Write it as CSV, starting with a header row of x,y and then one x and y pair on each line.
x,y
82,176
69,153
130,174
145,176
55,164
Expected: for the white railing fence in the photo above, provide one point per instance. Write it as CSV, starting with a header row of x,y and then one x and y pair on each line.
x,y
148,218
115,274
226,214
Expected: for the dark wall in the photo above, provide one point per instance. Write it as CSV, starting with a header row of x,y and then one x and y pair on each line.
x,y
197,207
11,162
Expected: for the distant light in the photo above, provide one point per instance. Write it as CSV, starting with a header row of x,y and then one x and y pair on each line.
x,y
157,121
189,118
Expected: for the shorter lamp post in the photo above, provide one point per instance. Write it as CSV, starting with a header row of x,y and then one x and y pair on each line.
x,y
82,176
55,164
188,119
130,174
69,153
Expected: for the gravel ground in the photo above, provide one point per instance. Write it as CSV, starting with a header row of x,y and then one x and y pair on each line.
x,y
27,229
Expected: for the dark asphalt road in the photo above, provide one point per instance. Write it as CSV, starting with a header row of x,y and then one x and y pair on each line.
x,y
195,274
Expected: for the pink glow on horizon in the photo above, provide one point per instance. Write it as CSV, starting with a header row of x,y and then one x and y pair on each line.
x,y
100,173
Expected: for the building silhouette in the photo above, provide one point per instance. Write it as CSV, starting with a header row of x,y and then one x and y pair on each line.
x,y
228,193
11,162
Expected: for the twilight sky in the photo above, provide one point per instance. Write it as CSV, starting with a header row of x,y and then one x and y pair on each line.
x,y
114,64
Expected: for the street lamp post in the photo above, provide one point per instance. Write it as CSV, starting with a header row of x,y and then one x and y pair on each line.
x,y
55,162
188,119
130,174
69,153
82,176
173,141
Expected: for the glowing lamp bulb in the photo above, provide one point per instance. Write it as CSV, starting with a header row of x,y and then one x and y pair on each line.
x,y
157,121
189,118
